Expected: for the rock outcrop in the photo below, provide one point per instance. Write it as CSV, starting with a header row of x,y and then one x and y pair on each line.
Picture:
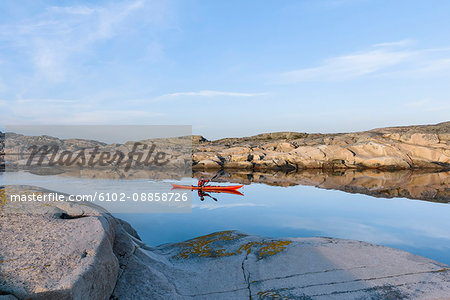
x,y
78,251
410,147
56,250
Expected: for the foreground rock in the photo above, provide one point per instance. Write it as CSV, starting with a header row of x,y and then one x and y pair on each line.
x,y
76,251
410,147
232,265
56,251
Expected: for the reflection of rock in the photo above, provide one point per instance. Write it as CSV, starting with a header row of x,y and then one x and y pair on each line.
x,y
73,251
392,148
432,186
108,173
2,151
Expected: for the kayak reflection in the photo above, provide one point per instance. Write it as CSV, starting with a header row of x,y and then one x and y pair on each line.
x,y
205,191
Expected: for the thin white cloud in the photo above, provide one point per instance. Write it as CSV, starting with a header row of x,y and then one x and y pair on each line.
x,y
349,66
74,10
54,111
435,66
401,43
193,95
44,101
383,59
61,38
210,93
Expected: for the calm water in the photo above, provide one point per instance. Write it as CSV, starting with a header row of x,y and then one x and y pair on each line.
x,y
419,227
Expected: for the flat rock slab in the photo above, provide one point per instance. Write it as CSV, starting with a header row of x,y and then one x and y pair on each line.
x,y
232,265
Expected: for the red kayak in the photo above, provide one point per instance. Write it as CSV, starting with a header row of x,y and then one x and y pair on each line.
x,y
208,188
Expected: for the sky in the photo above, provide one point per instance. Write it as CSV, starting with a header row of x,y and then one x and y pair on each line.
x,y
228,68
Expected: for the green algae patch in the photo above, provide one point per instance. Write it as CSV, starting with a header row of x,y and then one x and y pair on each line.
x,y
269,295
204,246
272,248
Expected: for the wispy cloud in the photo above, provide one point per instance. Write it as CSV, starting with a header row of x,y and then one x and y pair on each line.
x,y
210,93
63,37
192,96
74,10
56,111
44,101
393,58
401,43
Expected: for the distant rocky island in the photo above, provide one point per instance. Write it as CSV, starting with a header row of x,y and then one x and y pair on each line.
x,y
391,148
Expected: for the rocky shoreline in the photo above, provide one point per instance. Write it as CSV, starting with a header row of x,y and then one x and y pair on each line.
x,y
393,148
78,251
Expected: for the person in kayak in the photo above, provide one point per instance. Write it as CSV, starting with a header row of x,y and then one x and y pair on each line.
x,y
202,195
202,182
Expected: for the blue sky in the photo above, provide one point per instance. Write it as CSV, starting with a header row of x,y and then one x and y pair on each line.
x,y
229,68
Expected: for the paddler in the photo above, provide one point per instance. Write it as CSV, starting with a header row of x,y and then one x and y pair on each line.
x,y
202,182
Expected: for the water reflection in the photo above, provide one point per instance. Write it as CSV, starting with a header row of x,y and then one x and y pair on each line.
x,y
412,184
288,205
421,185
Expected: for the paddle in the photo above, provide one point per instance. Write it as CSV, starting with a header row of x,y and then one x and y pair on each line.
x,y
212,179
